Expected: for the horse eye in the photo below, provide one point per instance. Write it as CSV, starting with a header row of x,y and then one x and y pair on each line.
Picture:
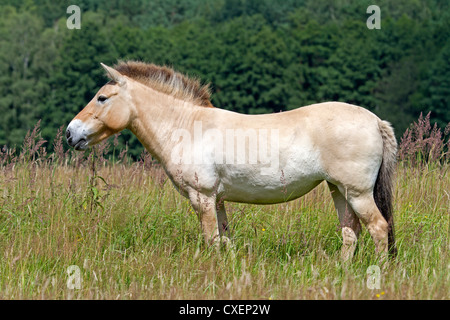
x,y
102,98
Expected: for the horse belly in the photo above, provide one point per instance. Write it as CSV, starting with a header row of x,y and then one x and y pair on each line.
x,y
259,189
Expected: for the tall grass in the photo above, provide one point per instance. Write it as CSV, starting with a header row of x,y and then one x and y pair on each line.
x,y
132,236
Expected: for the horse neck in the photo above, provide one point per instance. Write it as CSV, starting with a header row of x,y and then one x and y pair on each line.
x,y
158,115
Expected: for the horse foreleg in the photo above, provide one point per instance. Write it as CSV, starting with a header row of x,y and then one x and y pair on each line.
x,y
212,216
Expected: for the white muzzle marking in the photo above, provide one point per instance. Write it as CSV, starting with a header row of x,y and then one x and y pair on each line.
x,y
77,135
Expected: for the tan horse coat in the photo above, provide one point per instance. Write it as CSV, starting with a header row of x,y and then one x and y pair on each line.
x,y
345,145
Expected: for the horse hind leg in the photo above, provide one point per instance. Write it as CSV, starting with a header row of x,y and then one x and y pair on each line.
x,y
366,209
351,227
222,224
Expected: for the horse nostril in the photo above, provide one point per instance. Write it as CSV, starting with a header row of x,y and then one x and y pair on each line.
x,y
69,137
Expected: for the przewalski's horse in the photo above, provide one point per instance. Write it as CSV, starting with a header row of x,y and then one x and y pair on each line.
x,y
214,155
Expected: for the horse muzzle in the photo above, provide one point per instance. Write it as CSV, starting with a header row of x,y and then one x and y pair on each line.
x,y
76,135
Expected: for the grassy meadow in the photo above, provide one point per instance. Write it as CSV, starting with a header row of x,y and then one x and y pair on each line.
x,y
132,236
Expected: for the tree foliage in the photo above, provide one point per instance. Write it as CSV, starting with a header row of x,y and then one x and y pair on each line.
x,y
259,56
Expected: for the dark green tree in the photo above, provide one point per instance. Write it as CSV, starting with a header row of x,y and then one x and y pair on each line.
x,y
21,85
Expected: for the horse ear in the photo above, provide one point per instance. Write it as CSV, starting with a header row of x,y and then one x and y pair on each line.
x,y
113,74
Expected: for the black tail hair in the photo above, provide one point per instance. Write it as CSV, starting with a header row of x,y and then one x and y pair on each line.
x,y
383,185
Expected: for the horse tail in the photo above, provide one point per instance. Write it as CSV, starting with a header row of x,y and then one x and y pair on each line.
x,y
383,185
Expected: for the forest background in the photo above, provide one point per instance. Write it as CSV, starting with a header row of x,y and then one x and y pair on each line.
x,y
260,56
